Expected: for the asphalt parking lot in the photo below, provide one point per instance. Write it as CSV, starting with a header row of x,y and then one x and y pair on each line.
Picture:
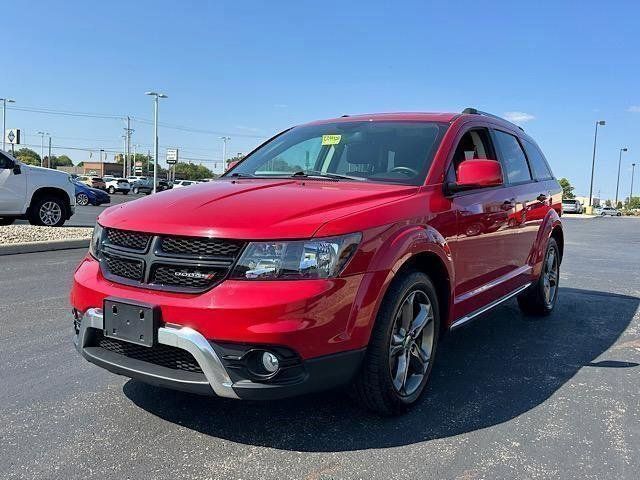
x,y
511,397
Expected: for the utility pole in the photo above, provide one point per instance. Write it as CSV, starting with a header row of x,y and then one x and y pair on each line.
x,y
156,96
633,168
124,157
4,119
101,163
224,152
618,182
593,160
42,134
49,162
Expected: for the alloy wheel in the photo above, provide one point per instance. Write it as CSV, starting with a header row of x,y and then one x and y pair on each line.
x,y
411,343
82,199
50,213
550,278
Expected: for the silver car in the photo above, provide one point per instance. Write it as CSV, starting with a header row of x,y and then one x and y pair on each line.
x,y
611,211
571,206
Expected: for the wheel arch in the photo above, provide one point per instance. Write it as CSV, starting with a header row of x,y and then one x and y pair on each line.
x,y
54,192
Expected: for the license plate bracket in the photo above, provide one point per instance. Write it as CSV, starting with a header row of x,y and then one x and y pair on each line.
x,y
133,322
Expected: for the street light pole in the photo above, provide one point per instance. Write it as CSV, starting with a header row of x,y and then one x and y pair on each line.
x,y
633,168
155,135
101,163
49,162
593,160
224,151
618,182
42,134
4,119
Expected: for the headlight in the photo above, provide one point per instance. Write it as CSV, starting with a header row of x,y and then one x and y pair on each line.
x,y
293,260
96,240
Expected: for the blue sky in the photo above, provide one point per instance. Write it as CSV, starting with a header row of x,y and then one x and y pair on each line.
x,y
249,69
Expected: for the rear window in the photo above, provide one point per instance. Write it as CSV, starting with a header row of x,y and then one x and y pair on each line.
x,y
122,181
97,179
513,158
537,161
573,202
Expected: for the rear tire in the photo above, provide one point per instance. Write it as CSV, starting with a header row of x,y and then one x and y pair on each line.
x,y
6,221
402,347
125,192
82,199
111,190
136,191
541,297
47,211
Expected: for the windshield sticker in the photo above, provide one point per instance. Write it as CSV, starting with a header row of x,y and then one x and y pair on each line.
x,y
331,139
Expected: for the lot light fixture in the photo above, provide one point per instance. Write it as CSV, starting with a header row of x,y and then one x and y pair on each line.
x,y
4,118
155,96
593,160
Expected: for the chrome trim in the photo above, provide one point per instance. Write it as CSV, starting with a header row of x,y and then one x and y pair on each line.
x,y
524,270
184,338
486,308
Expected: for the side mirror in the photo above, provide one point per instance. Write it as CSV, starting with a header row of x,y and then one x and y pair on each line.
x,y
16,169
477,173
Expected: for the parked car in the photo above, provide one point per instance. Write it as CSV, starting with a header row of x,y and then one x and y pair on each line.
x,y
162,185
41,195
86,195
142,185
610,211
400,228
184,183
571,206
120,185
93,182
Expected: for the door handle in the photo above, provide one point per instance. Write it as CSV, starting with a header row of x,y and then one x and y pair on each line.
x,y
541,198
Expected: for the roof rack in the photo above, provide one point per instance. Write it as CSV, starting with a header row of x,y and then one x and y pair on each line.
x,y
474,111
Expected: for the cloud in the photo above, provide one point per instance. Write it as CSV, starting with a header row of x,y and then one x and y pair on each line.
x,y
518,117
634,109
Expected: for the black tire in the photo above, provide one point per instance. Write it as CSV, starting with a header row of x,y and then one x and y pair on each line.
x,y
82,199
125,192
534,300
6,221
111,190
46,203
135,190
374,385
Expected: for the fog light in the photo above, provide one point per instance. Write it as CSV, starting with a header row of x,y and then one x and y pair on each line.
x,y
270,362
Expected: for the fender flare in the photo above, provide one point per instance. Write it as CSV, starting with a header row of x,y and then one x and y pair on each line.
x,y
395,254
550,223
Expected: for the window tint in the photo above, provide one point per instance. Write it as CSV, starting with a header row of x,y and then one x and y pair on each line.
x,y
513,158
537,161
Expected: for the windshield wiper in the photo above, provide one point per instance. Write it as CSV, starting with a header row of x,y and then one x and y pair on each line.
x,y
239,175
316,174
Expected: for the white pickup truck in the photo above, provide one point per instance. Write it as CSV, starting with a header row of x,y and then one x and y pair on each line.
x,y
40,195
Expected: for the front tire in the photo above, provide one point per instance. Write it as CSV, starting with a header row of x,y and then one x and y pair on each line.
x,y
402,347
541,297
136,191
48,212
111,190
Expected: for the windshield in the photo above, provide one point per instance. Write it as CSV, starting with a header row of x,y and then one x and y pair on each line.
x,y
395,152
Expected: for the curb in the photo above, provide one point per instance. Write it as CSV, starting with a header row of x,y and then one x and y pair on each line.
x,y
31,247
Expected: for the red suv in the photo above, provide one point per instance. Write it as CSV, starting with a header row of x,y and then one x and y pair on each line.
x,y
337,252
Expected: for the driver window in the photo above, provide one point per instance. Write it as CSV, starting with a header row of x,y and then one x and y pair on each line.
x,y
473,144
5,162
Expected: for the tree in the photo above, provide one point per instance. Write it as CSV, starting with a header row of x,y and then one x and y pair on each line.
x,y
608,203
634,202
191,171
61,161
28,156
619,205
567,189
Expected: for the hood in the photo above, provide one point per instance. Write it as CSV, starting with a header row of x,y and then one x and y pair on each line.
x,y
250,209
43,171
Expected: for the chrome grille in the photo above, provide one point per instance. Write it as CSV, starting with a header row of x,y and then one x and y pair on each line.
x,y
162,355
125,267
127,239
177,264
200,247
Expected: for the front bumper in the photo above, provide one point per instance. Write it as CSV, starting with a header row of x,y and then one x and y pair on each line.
x,y
217,375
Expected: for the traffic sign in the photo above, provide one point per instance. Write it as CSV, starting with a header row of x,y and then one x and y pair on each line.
x,y
172,156
12,136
